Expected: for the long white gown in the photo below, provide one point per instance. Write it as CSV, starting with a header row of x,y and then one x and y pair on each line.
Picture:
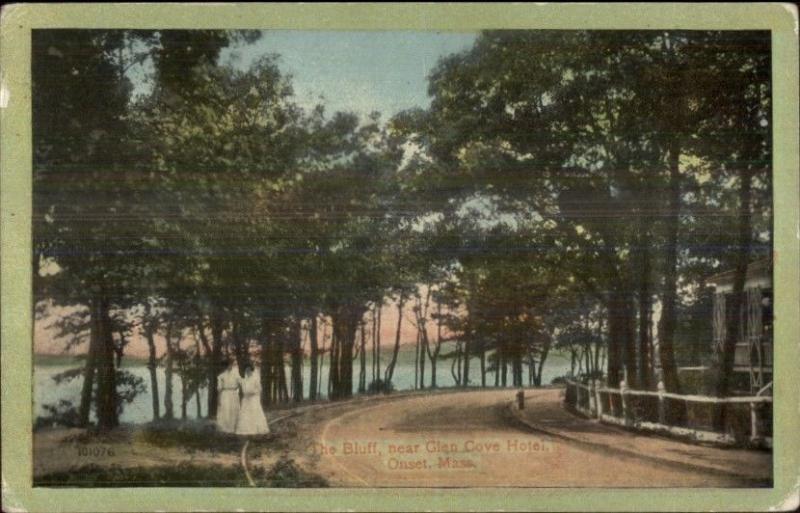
x,y
252,420
228,384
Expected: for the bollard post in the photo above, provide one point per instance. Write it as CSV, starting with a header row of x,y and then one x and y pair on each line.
x,y
662,410
623,389
521,399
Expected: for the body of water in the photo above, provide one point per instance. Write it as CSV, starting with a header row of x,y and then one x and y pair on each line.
x,y
46,391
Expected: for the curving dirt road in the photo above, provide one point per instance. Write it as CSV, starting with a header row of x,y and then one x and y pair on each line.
x,y
470,439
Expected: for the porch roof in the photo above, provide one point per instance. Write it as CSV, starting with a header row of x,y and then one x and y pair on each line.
x,y
758,270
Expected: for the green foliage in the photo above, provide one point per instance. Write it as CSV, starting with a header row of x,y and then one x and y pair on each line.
x,y
286,474
192,436
380,387
62,413
528,200
114,476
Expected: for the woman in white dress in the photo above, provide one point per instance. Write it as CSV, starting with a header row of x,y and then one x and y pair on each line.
x,y
228,385
252,420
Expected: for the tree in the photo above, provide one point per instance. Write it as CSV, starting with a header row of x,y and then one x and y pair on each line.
x,y
587,140
79,137
345,228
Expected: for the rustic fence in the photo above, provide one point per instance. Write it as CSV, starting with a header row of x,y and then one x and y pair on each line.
x,y
748,420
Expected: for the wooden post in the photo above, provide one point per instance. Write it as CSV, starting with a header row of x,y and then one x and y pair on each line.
x,y
593,398
598,402
662,410
623,389
754,431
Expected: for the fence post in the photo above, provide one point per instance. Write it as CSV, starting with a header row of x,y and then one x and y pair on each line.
x,y
662,410
592,399
598,402
623,389
754,434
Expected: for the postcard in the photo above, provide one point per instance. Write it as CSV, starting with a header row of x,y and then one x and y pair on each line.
x,y
399,257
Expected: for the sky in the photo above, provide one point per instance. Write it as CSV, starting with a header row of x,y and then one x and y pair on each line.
x,y
47,341
360,72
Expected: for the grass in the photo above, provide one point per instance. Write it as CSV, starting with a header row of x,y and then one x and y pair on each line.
x,y
284,474
196,436
95,476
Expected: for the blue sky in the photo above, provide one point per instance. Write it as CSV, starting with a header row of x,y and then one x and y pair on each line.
x,y
356,71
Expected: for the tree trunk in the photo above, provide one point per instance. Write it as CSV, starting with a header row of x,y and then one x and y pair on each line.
x,y
198,357
455,367
152,364
483,369
645,378
435,355
333,366
531,368
423,348
314,356
465,374
197,403
345,325
107,412
215,363
362,371
91,363
295,335
184,395
416,362
615,336
280,367
572,360
378,336
587,356
504,370
433,368
119,349
516,363
321,361
669,315
390,369
374,333
726,356
240,345
598,348
537,378
266,365
169,412
629,337
497,368
296,355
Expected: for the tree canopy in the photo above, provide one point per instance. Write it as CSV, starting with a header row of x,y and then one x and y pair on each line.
x,y
560,185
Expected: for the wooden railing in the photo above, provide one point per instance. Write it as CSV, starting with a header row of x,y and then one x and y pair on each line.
x,y
748,419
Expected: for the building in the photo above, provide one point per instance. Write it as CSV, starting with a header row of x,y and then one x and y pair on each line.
x,y
753,357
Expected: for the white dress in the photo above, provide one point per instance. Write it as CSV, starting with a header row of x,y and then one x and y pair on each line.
x,y
252,420
228,384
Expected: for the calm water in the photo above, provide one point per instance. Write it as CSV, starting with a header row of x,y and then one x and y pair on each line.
x,y
140,410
